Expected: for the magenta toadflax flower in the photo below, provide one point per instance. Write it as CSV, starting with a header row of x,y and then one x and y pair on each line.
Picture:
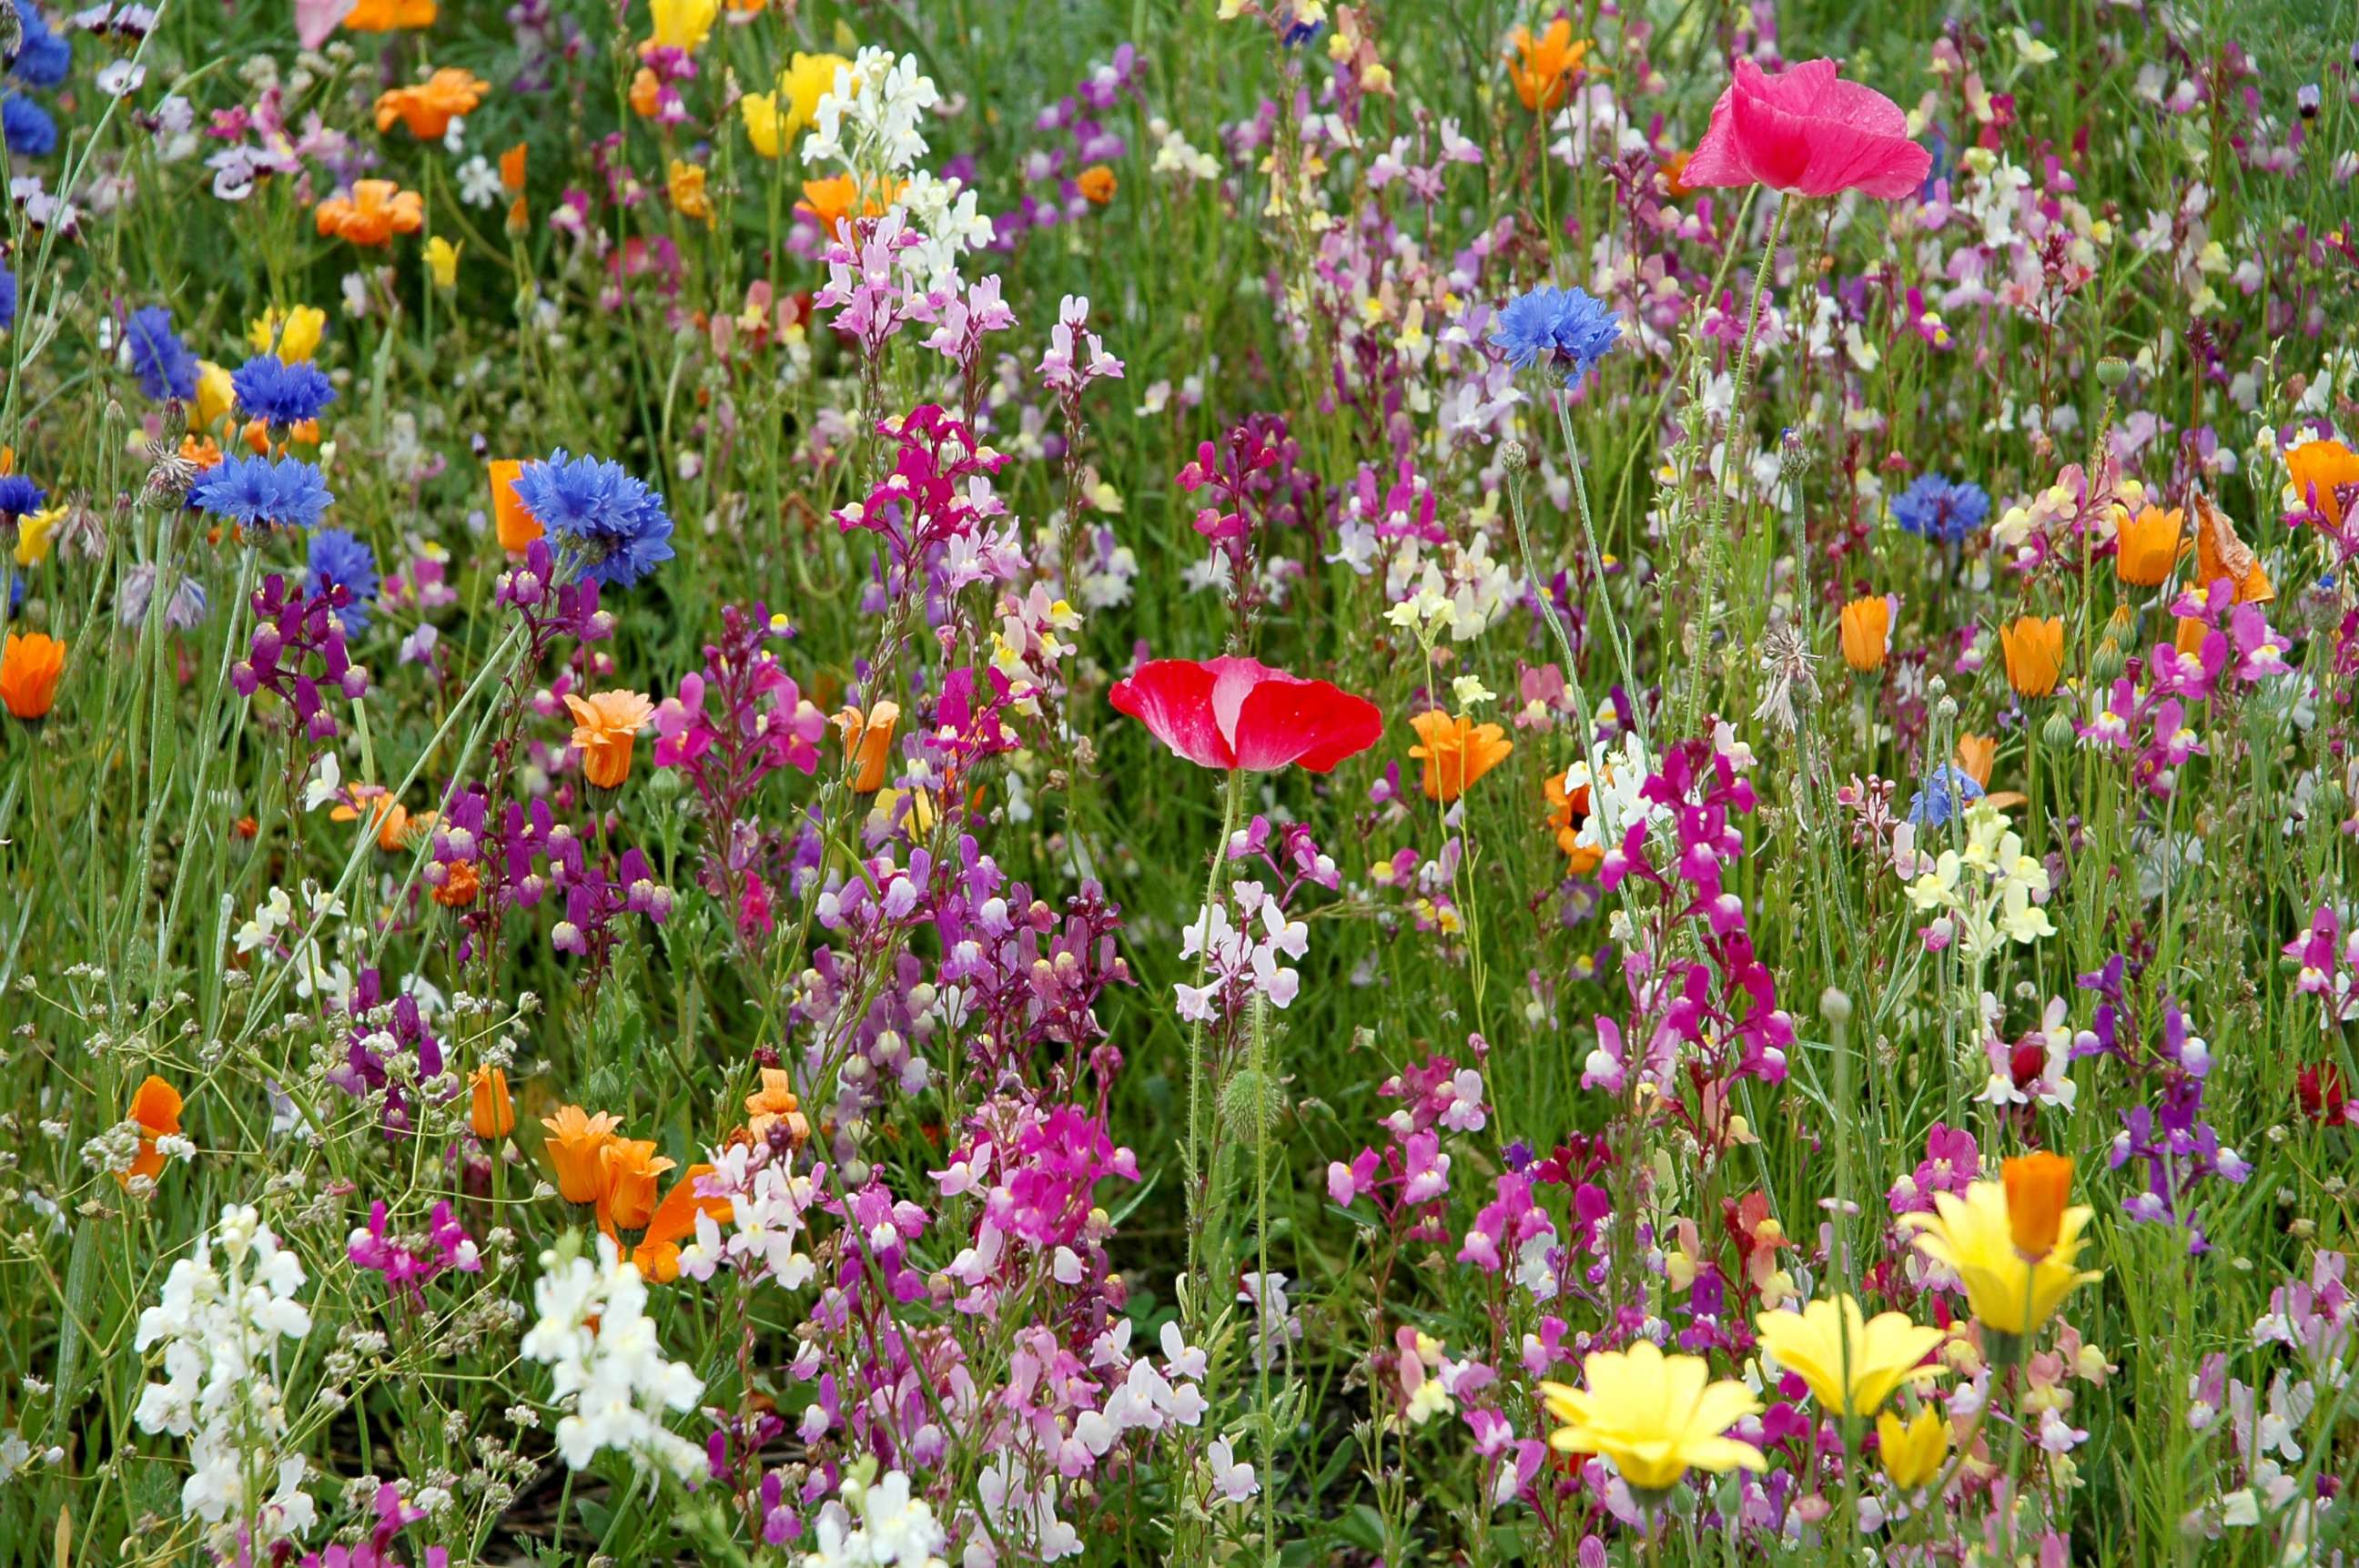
x,y
1806,130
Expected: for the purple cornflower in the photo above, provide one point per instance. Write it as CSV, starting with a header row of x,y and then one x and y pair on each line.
x,y
1947,790
278,393
259,491
1935,509
338,559
1560,329
612,525
164,366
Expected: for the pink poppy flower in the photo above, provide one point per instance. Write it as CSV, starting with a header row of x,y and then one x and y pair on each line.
x,y
1806,130
1239,712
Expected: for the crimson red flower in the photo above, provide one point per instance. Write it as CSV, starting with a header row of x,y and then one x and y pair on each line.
x,y
1807,130
1239,712
2323,1097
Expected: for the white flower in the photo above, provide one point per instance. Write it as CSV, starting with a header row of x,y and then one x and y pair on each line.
x,y
327,782
1234,1481
880,1524
616,1377
479,182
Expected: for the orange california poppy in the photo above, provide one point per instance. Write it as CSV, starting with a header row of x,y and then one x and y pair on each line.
x,y
577,1143
604,725
773,1102
2148,547
2219,554
156,1107
30,664
1868,632
831,202
1457,752
1977,753
490,1110
513,522
459,886
396,828
1096,184
674,1221
2039,1190
390,15
2324,466
370,213
1544,68
428,107
1567,812
2035,653
869,741
631,1166
1675,165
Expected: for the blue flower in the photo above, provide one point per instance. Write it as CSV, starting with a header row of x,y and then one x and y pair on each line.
x,y
43,58
1947,790
612,527
278,393
8,299
339,559
19,496
1560,328
255,492
164,366
27,126
1934,508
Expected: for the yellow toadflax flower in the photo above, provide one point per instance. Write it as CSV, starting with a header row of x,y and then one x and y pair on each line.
x,y
682,25
1655,1416
1974,1237
1852,1366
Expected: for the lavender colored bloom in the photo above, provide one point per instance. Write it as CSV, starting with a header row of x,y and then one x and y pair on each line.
x,y
27,126
278,393
42,58
19,496
8,299
338,560
1936,510
614,527
164,366
1947,790
256,492
1562,329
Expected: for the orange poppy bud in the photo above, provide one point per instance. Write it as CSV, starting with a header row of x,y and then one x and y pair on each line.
x,y
490,1110
869,742
2038,1189
155,1106
511,164
516,524
1868,632
30,666
773,1102
647,94
2035,653
577,1144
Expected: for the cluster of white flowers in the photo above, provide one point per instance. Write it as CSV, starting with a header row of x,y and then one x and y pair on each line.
x,y
225,1311
274,932
614,1375
1238,962
766,1203
879,1526
1999,901
869,118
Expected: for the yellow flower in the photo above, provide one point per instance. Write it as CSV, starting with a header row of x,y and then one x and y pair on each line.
x,y
1912,1455
774,121
1852,1366
1655,1416
33,531
684,182
216,395
682,25
763,127
295,332
1974,1237
442,262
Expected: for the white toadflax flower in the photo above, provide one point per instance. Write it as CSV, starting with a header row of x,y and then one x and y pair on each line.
x,y
225,1311
875,1525
614,1375
869,118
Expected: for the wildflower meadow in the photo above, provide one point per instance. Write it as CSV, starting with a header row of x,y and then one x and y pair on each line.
x,y
985,783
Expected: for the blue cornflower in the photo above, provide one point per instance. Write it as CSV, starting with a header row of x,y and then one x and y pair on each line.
x,y
19,496
278,393
1563,329
1936,510
8,299
256,492
614,527
1947,790
26,128
42,58
338,557
164,366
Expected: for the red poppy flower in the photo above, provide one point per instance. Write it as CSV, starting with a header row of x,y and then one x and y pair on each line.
x,y
1239,712
1807,130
